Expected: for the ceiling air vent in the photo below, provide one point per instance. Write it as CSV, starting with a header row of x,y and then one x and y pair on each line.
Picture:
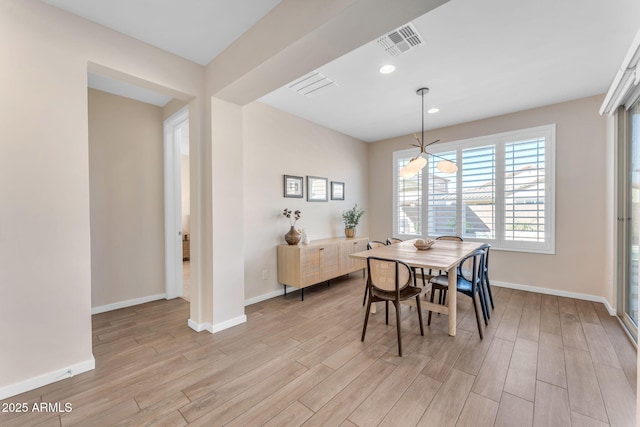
x,y
312,84
401,40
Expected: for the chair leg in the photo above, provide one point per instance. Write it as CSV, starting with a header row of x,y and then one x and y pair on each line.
x,y
397,304
483,304
475,307
366,320
489,292
431,300
366,291
420,314
386,310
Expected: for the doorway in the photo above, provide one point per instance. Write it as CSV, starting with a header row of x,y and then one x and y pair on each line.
x,y
177,205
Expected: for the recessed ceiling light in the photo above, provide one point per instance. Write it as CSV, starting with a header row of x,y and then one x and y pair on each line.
x,y
387,69
433,110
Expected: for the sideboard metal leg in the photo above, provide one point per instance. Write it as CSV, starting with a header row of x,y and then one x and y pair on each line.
x,y
302,295
285,290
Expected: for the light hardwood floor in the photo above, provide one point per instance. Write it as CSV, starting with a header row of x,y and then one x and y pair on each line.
x,y
544,361
186,280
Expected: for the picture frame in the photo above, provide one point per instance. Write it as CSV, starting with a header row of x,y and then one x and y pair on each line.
x,y
317,189
337,190
293,186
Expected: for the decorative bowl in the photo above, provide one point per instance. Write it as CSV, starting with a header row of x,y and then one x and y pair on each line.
x,y
423,244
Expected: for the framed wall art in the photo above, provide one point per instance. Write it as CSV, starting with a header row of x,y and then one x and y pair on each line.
x,y
337,190
317,189
293,186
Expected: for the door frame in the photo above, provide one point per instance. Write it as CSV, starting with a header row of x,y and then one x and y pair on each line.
x,y
174,286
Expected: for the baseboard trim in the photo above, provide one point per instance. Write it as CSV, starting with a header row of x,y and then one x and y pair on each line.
x,y
128,303
557,293
199,327
206,326
228,324
48,378
264,297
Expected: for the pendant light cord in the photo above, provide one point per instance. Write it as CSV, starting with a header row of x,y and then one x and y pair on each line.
x,y
422,142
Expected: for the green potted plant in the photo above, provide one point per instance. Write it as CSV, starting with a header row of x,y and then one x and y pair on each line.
x,y
351,219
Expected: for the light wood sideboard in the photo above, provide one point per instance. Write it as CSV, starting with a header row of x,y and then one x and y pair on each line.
x,y
320,260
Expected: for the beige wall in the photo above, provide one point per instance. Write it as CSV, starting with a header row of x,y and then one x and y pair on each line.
x,y
579,264
277,143
45,274
127,201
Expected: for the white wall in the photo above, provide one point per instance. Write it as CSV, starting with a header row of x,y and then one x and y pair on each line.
x,y
275,144
127,199
45,273
227,232
579,265
186,199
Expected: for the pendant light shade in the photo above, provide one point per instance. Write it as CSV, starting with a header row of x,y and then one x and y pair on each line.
x,y
419,162
413,167
447,166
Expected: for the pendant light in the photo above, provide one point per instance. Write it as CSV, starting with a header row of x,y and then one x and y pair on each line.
x,y
419,162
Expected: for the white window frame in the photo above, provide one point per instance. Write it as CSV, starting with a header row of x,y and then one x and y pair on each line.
x,y
548,132
397,155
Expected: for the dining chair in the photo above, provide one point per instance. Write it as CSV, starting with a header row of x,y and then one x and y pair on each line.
x,y
425,278
469,286
375,244
371,245
485,274
390,281
442,293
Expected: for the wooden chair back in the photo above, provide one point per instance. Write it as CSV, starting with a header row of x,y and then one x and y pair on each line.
x,y
375,244
388,275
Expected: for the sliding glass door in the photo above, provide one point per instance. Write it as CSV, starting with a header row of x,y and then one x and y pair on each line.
x,y
629,215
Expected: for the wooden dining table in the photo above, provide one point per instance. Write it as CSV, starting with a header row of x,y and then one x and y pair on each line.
x,y
444,255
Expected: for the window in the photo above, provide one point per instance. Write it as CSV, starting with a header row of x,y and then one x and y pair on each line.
x,y
502,192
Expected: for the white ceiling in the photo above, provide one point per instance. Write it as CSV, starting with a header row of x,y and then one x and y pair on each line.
x,y
197,30
480,58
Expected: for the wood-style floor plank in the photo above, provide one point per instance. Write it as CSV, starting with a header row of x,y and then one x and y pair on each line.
x,y
551,406
617,395
413,403
551,367
508,329
448,403
294,415
599,345
521,377
478,411
514,412
584,391
544,359
382,399
442,362
490,380
339,408
572,332
584,421
529,324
